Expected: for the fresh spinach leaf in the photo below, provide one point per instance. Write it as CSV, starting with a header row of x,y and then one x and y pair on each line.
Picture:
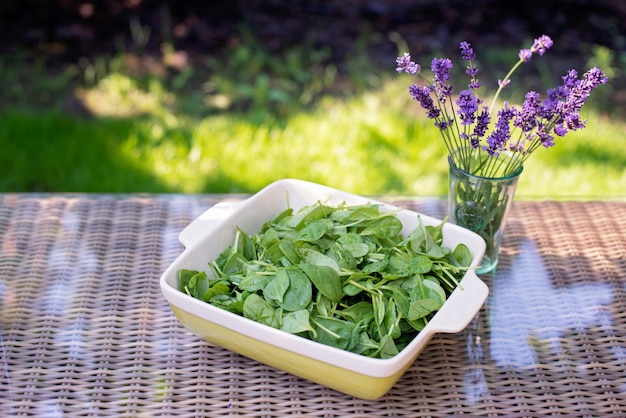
x,y
325,279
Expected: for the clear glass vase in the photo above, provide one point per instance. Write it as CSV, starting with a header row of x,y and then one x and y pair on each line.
x,y
479,199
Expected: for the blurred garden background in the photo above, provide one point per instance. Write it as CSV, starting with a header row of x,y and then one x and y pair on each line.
x,y
199,96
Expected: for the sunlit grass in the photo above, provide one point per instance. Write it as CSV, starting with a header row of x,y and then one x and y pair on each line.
x,y
375,143
357,145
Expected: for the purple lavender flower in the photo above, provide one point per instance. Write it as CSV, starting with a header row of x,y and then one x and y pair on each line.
x,y
546,139
475,84
504,83
467,106
467,52
526,119
501,135
444,124
574,122
541,44
421,94
570,122
441,69
468,55
560,130
525,55
405,64
482,123
570,79
471,71
555,96
581,90
594,77
567,101
558,94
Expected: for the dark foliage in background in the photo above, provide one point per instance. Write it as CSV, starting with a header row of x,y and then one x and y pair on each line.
x,y
68,29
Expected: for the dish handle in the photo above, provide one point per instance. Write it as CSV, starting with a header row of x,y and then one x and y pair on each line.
x,y
462,305
210,219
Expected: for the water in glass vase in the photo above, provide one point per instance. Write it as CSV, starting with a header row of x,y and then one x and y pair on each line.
x,y
482,188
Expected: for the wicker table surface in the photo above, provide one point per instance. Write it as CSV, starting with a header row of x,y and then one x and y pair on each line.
x,y
85,330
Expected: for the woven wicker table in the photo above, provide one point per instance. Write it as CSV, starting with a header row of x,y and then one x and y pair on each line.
x,y
85,330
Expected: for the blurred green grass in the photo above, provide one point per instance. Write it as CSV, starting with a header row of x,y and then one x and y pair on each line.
x,y
105,126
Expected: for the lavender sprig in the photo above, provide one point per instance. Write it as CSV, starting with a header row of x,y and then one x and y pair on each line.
x,y
560,112
441,69
540,46
467,52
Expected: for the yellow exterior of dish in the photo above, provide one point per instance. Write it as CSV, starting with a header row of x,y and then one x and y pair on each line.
x,y
338,378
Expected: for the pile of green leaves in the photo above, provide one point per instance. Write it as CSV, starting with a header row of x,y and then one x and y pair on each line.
x,y
342,276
